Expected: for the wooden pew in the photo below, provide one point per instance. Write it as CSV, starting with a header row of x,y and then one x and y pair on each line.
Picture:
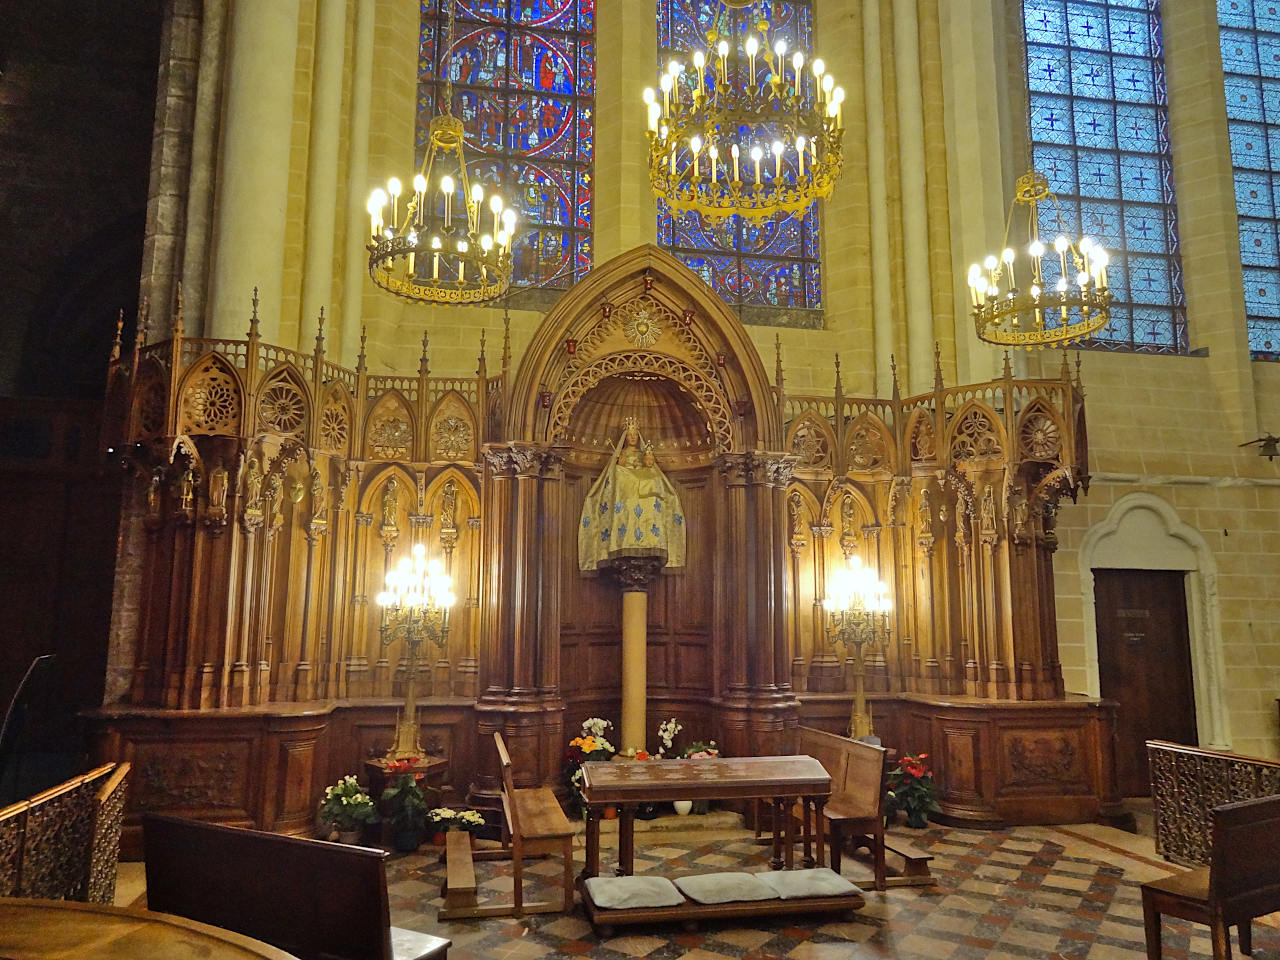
x,y
1242,880
459,890
313,899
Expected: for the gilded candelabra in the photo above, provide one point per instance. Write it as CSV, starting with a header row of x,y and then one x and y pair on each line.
x,y
749,128
857,606
1059,293
415,607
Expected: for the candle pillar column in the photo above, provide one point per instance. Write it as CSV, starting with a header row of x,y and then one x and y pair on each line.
x,y
634,576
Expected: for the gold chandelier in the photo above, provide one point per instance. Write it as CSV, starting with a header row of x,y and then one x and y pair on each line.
x,y
748,131
447,244
1056,296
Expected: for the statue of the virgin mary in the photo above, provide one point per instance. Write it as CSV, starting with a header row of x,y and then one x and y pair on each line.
x,y
632,510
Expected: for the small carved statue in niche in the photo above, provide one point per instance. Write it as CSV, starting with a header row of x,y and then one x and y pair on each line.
x,y
924,515
1021,518
187,491
319,494
795,504
632,509
449,506
252,485
390,502
218,493
275,498
988,514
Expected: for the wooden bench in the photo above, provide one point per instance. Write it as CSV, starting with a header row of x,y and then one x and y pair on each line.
x,y
459,890
313,899
533,825
1242,880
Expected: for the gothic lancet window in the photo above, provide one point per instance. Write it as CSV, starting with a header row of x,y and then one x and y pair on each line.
x,y
773,263
1250,37
523,76
1100,133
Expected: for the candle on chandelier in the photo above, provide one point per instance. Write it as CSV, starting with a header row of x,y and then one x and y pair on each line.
x,y
800,141
722,50
695,146
435,258
446,190
713,153
752,46
777,149
377,200
819,68
462,264
733,151
495,206
665,84
797,66
419,195
1007,257
393,188
756,154
473,208
699,62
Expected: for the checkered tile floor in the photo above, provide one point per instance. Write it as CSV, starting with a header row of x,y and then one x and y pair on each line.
x,y
1000,894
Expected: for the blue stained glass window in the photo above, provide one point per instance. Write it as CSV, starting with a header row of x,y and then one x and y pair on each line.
x,y
523,75
1250,40
1100,133
773,263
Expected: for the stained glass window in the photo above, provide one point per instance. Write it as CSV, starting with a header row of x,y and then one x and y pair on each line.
x,y
770,263
1100,133
1250,38
524,85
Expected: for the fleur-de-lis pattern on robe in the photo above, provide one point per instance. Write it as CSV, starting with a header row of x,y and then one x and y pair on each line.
x,y
632,510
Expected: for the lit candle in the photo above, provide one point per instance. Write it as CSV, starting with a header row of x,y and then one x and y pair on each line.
x,y
818,69
473,208
462,264
714,154
419,194
722,48
1007,257
752,46
733,151
495,205
828,84
446,190
393,188
756,154
777,159
435,258
797,65
695,146
837,95
699,62
665,84
655,112
800,141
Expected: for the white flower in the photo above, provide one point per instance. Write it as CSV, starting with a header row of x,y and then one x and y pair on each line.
x,y
667,731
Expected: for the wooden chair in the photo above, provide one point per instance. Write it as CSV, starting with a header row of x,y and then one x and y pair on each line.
x,y
1242,880
313,899
534,825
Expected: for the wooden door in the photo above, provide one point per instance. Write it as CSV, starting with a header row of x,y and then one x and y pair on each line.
x,y
1144,664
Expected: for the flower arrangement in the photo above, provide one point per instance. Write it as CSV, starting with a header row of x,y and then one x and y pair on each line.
x,y
347,806
700,750
911,788
444,819
668,730
591,744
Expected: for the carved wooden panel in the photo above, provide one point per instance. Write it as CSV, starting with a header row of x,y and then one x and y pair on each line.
x,y
1043,760
107,828
975,436
13,822
452,434
1187,783
282,406
55,856
192,775
963,763
211,401
335,424
293,791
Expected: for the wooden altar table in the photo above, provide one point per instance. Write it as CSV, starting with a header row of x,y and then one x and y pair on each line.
x,y
779,780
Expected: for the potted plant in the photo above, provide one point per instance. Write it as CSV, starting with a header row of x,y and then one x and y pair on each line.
x,y
591,744
348,808
440,821
911,788
406,805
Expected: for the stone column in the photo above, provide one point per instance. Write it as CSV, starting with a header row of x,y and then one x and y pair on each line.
x,y
254,170
354,259
634,576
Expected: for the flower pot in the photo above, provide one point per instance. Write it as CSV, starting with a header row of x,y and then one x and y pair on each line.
x,y
610,812
407,839
349,836
437,839
683,807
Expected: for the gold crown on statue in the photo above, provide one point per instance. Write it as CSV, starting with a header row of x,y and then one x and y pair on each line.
x,y
629,422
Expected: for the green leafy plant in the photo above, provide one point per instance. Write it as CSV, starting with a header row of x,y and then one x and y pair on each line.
x,y
406,802
347,806
911,788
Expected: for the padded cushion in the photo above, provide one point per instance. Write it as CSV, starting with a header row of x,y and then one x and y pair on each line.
x,y
819,882
724,888
623,893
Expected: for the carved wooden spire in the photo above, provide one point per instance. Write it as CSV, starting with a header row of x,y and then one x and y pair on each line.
x,y
177,315
360,358
253,319
424,362
320,334
937,366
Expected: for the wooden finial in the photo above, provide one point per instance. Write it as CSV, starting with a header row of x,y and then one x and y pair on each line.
x,y
364,335
481,369
839,381
424,365
1008,367
144,322
320,333
1065,373
177,315
937,365
777,360
506,337
1079,382
253,319
893,372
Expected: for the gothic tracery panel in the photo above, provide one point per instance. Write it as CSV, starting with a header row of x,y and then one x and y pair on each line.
x,y
211,401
